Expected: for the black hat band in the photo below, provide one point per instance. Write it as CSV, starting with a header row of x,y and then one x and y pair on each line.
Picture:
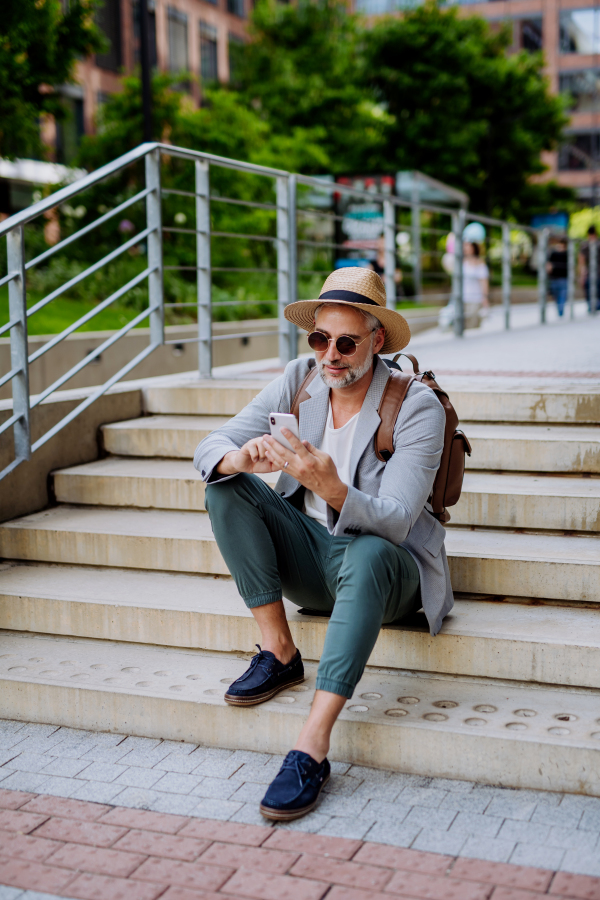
x,y
348,296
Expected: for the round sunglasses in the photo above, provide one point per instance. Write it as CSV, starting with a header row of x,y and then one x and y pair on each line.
x,y
346,345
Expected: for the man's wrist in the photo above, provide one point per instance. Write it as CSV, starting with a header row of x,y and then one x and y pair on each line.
x,y
226,466
337,499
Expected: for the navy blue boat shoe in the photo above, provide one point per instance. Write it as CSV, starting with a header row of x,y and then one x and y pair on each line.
x,y
265,678
296,787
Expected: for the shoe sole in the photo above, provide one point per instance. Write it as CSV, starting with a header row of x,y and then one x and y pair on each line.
x,y
286,815
260,698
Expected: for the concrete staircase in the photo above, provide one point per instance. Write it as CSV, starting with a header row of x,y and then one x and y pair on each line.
x,y
119,615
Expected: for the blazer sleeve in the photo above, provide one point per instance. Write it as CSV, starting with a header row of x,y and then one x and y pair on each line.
x,y
408,476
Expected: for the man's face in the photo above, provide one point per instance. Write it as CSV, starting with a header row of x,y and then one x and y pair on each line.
x,y
339,371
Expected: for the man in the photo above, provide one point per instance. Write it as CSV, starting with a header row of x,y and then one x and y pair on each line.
x,y
589,248
343,532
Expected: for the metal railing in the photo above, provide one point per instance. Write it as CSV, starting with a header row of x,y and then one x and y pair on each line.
x,y
292,243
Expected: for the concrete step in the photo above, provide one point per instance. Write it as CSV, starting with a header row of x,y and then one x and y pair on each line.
x,y
476,399
495,500
529,501
504,733
518,448
519,642
175,437
533,448
127,481
505,563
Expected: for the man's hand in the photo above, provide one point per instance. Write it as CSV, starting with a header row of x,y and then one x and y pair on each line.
x,y
314,470
251,458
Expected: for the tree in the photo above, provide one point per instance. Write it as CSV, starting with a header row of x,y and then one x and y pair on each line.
x,y
39,45
462,109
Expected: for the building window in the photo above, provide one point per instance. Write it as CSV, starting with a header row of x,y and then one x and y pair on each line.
x,y
379,7
236,8
178,40
108,17
209,70
529,34
580,151
584,90
580,31
235,42
69,131
135,8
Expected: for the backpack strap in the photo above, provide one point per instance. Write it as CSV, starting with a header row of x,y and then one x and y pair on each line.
x,y
302,393
391,401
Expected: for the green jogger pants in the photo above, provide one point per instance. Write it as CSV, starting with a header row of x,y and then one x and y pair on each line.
x,y
272,549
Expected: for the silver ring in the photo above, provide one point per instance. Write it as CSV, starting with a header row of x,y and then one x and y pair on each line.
x,y
286,464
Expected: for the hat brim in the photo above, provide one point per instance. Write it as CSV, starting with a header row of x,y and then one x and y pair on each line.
x,y
397,332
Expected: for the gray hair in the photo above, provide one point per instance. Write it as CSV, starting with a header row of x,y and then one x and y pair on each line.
x,y
371,321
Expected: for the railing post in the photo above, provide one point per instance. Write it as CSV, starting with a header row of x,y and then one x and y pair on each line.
x,y
416,241
17,305
506,273
542,274
389,240
458,226
283,267
593,275
204,278
293,252
571,277
156,293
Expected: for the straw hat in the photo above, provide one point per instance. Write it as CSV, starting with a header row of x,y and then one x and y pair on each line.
x,y
363,289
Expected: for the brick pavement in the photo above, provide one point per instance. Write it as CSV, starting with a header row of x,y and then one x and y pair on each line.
x,y
54,847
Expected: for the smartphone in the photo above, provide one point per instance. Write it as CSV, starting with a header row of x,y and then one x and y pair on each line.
x,y
277,421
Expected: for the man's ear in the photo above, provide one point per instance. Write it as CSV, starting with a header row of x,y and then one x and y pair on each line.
x,y
379,340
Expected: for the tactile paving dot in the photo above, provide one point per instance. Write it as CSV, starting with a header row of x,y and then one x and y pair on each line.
x,y
130,669
213,691
559,731
435,717
396,713
299,689
113,680
284,699
525,713
80,676
36,659
227,680
485,708
99,666
162,672
371,696
357,708
143,684
474,721
566,717
8,656
445,704
193,677
49,673
517,726
409,701
177,687
68,662
18,669
595,734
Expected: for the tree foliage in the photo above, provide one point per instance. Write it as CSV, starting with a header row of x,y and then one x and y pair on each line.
x,y
39,45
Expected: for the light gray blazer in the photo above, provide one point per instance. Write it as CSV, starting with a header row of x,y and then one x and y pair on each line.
x,y
386,499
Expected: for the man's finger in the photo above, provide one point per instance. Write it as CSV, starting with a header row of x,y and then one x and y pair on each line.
x,y
296,443
278,452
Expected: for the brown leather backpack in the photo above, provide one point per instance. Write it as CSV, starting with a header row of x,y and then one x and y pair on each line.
x,y
448,481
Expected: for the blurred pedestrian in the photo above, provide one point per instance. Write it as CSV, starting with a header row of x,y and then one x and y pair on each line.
x,y
476,278
558,271
591,246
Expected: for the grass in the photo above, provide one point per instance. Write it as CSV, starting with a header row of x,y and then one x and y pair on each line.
x,y
60,313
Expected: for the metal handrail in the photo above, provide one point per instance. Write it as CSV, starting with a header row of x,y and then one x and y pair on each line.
x,y
286,245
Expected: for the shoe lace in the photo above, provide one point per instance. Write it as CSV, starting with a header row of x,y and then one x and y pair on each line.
x,y
295,764
259,659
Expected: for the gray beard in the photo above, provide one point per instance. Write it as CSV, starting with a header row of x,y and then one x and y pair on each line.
x,y
353,373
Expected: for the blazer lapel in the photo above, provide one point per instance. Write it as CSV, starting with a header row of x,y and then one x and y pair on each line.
x,y
313,413
368,418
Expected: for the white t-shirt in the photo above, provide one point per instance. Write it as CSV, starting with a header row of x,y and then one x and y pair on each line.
x,y
337,442
473,274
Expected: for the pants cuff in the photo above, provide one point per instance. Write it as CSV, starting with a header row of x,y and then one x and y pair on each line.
x,y
263,599
335,687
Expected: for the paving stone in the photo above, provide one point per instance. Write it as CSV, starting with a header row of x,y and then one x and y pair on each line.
x,y
563,816
503,874
492,849
9,726
261,774
148,759
10,893
570,885
219,768
59,787
107,772
452,784
27,846
336,805
25,874
11,740
65,768
250,814
390,832
246,793
40,730
511,807
215,752
227,832
138,798
30,761
400,858
216,809
221,788
38,895
174,871
175,783
589,821
73,749
415,796
380,809
264,886
256,858
308,825
175,804
101,887
183,748
135,776
524,832
14,799
97,791
179,762
341,784
339,768
153,843
573,838
424,817
105,754
19,820
142,743
338,848
77,832
7,757
347,827
98,860
378,790
23,781
251,756
473,802
467,824
436,840
338,871
527,854
68,809
582,862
